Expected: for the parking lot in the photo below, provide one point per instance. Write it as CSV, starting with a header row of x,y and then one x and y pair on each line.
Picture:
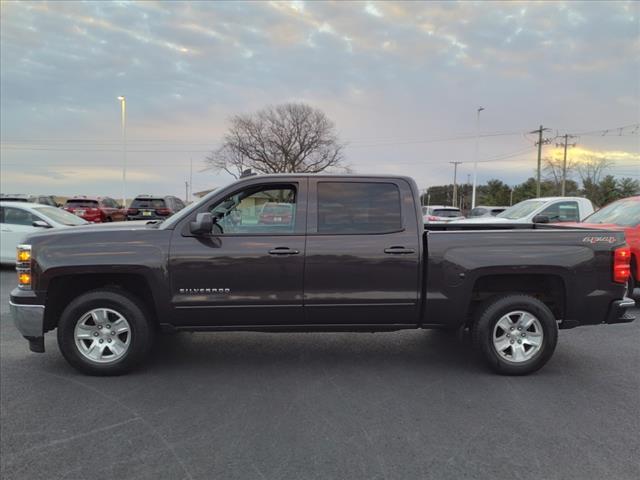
x,y
413,404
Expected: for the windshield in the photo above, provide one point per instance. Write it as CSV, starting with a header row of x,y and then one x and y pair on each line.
x,y
521,210
625,213
448,213
60,216
148,203
82,203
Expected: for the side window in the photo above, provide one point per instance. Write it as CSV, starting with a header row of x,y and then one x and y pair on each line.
x,y
562,212
179,204
266,209
352,208
15,216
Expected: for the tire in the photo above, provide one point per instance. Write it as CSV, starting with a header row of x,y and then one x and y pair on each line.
x,y
122,346
507,338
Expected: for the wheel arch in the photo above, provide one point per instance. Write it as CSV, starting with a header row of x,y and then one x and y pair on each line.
x,y
549,288
64,288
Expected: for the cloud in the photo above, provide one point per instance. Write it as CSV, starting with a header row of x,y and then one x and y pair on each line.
x,y
394,70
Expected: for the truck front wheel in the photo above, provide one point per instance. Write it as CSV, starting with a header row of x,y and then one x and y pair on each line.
x,y
515,334
104,332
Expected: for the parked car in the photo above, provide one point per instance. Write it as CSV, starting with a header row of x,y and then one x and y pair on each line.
x,y
486,211
96,209
19,219
621,215
41,199
153,207
440,214
276,213
355,257
541,210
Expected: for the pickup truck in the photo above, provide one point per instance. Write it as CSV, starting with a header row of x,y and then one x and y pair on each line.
x,y
352,255
540,210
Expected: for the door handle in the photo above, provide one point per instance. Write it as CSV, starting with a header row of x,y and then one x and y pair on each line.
x,y
283,251
399,250
6,230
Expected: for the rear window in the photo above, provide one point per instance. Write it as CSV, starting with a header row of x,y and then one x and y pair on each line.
x,y
358,207
478,212
148,203
448,213
82,203
277,209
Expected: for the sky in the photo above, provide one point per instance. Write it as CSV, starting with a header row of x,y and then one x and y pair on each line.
x,y
401,81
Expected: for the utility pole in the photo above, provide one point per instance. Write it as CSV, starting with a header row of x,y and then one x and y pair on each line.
x,y
190,196
539,144
455,182
475,158
186,190
564,162
123,126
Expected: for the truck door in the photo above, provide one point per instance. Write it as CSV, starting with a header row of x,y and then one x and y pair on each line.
x,y
363,252
249,271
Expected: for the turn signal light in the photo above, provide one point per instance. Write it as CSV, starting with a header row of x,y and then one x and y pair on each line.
x,y
23,256
24,279
621,264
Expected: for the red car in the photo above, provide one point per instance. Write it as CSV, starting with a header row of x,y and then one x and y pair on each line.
x,y
276,214
624,215
96,209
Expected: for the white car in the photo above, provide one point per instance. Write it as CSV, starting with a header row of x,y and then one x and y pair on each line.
x,y
440,214
541,210
19,219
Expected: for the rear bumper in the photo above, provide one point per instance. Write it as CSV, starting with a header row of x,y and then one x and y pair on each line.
x,y
618,311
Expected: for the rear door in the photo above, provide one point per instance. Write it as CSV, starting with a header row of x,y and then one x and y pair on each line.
x,y
363,252
246,272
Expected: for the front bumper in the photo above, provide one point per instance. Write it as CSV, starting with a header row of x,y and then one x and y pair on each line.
x,y
618,311
29,320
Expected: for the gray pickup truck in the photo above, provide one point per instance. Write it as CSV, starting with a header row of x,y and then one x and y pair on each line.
x,y
315,253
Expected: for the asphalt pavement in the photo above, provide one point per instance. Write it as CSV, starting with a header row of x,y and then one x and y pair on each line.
x,y
402,405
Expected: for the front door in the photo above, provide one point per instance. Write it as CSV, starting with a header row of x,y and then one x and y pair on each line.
x,y
249,270
363,253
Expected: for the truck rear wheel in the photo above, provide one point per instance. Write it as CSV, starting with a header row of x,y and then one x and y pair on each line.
x,y
104,332
515,334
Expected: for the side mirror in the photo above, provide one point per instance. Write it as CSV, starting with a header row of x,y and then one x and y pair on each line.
x,y
202,225
41,224
540,219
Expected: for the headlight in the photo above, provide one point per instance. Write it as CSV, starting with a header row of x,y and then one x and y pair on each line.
x,y
23,266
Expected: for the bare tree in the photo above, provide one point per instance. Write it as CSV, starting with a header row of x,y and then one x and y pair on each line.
x,y
552,170
591,168
287,138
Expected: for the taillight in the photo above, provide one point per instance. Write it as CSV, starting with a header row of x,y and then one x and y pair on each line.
x,y
431,218
132,211
621,264
163,211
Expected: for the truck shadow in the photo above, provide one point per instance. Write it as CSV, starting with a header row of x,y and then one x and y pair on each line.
x,y
237,350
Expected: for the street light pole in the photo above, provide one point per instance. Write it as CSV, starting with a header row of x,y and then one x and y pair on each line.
x,y
455,182
123,119
475,159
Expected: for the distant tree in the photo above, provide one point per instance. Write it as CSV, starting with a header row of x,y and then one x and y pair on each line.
x,y
628,187
607,191
528,189
552,171
289,138
495,192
